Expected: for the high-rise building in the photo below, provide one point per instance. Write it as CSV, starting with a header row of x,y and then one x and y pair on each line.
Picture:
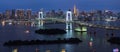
x,y
17,13
75,11
1,15
7,14
59,13
29,13
52,13
13,14
20,13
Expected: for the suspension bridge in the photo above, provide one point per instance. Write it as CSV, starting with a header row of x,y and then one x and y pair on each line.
x,y
68,20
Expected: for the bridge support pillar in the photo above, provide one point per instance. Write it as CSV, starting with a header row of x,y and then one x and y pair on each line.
x,y
69,26
40,23
68,20
69,34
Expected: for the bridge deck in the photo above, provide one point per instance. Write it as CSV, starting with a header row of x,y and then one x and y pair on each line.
x,y
75,22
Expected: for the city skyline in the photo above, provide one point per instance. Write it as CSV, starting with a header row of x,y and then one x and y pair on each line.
x,y
59,26
60,4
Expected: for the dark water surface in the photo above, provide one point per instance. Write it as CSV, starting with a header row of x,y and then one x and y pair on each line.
x,y
91,42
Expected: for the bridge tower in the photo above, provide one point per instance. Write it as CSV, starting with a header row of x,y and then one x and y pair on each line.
x,y
40,15
40,18
68,20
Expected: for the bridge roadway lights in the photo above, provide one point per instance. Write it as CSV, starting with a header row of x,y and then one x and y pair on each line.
x,y
68,19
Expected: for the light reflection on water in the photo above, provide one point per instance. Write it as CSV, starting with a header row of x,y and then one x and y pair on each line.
x,y
69,34
91,42
15,50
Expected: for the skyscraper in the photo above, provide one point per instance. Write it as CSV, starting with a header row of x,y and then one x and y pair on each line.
x,y
7,14
75,10
29,13
13,14
20,13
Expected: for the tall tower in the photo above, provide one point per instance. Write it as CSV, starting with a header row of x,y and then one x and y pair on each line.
x,y
75,10
68,20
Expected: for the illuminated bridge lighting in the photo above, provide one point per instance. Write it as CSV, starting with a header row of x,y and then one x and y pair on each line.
x,y
81,29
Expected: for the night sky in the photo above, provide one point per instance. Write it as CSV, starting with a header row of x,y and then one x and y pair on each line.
x,y
60,4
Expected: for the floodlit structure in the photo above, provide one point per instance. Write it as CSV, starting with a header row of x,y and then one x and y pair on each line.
x,y
68,20
40,15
